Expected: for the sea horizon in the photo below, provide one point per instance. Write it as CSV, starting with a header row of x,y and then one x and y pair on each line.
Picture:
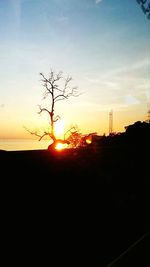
x,y
13,144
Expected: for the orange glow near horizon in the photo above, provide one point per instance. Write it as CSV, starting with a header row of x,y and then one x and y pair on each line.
x,y
60,146
13,129
89,140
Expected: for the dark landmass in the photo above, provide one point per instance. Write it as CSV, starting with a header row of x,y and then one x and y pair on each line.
x,y
79,207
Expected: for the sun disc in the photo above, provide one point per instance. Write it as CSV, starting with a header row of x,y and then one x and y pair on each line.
x,y
59,146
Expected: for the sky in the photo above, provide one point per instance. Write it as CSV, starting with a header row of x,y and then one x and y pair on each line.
x,y
103,44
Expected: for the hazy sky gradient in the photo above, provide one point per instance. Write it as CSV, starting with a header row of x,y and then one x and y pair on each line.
x,y
103,44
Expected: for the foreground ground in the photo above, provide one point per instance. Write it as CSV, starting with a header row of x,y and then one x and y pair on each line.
x,y
77,207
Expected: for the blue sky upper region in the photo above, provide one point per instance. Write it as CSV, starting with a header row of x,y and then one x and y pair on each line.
x,y
103,44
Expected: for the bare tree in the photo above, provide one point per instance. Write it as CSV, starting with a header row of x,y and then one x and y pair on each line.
x,y
57,88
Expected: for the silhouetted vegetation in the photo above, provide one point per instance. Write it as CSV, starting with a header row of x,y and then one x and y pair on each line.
x,y
145,7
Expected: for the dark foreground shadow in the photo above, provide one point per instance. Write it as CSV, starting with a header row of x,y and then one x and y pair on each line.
x,y
76,208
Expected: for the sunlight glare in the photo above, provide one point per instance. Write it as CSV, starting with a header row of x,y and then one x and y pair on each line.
x,y
59,146
59,128
89,140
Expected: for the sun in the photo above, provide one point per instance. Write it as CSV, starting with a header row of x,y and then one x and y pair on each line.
x,y
59,146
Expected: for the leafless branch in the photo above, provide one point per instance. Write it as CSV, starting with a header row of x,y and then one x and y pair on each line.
x,y
43,109
39,135
57,118
72,129
65,95
60,97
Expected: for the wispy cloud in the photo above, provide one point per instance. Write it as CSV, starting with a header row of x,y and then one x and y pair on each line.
x,y
140,66
60,19
98,1
131,100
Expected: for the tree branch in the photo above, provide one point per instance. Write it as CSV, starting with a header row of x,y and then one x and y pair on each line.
x,y
70,130
56,118
62,97
39,135
44,109
66,95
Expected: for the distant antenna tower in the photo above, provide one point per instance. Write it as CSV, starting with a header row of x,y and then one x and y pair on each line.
x,y
110,122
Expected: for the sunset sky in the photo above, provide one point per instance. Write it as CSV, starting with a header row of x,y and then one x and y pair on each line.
x,y
103,44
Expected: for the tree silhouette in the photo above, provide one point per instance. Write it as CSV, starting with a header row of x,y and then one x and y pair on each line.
x,y
57,88
75,138
145,6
